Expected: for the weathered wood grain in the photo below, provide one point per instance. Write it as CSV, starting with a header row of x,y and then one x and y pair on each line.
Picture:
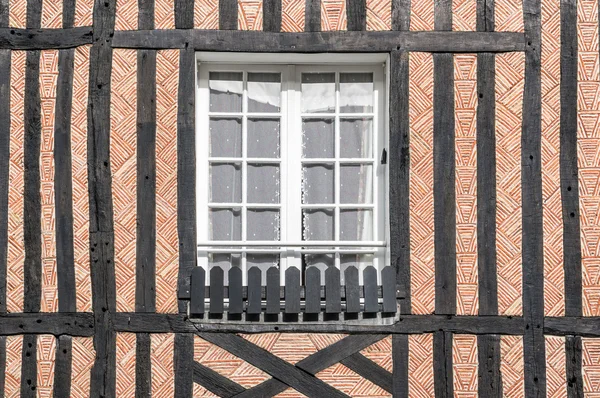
x,y
490,378
182,364
228,14
63,366
574,370
42,39
369,370
272,15
400,365
5,65
312,16
143,371
442,364
29,366
356,14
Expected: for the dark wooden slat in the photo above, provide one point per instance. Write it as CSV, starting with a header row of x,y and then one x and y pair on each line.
x,y
313,285
569,174
352,290
275,366
271,15
370,281
316,42
143,371
63,185
356,14
4,169
534,348
442,364
197,299
29,366
44,39
2,363
273,284
186,174
333,299
184,14
228,14
400,365
216,290
401,15
388,282
227,291
214,382
292,290
490,378
254,291
236,305
312,16
182,364
369,370
574,362
62,367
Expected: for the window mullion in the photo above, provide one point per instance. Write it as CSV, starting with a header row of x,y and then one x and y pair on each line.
x,y
293,159
336,174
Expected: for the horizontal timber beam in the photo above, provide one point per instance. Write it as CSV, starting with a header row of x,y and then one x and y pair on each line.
x,y
571,325
79,324
316,42
44,39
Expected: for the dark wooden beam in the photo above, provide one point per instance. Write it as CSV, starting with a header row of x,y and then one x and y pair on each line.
x,y
56,323
214,382
272,15
29,366
574,367
312,16
182,363
143,371
2,363
5,62
356,14
316,42
44,39
579,326
184,14
489,376
369,370
442,365
228,14
63,366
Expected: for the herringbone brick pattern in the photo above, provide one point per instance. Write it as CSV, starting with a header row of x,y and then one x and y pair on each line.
x,y
420,365
465,365
465,103
292,15
421,183
161,363
12,373
556,370
206,14
46,354
333,15
590,353
379,14
588,148
509,101
83,12
48,80
123,143
512,366
83,354
381,353
509,16
167,242
250,15
125,369
17,13
554,289
127,15
421,15
81,250
464,15
16,247
164,14
52,14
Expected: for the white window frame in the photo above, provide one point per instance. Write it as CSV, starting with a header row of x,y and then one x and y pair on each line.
x,y
291,246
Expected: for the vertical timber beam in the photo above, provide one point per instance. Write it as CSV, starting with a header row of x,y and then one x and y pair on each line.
x,y
312,16
399,180
103,375
356,14
228,14
272,15
4,173
531,187
183,365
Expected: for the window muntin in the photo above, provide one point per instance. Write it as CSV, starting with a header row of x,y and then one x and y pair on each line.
x,y
298,180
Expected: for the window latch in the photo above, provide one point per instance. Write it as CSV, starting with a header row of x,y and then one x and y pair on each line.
x,y
383,156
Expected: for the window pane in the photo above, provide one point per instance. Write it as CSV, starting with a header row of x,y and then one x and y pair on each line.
x,y
356,138
263,262
224,261
356,92
263,224
318,224
263,183
264,92
225,137
318,184
226,90
356,225
225,224
263,138
318,137
320,261
356,183
226,183
318,92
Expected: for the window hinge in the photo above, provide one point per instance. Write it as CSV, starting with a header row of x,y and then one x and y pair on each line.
x,y
383,156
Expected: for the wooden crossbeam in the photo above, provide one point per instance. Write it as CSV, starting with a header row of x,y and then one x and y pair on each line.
x,y
43,39
216,383
369,370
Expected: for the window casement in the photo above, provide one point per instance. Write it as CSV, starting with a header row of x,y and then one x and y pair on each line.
x,y
291,166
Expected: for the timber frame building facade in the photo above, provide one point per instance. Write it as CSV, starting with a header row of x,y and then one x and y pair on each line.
x,y
494,201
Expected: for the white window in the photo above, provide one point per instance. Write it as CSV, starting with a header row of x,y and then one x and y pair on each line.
x,y
291,162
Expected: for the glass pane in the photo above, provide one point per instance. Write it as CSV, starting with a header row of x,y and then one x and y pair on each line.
x,y
356,138
263,262
263,138
356,183
226,183
226,90
318,136
225,261
360,261
320,261
225,137
356,225
225,224
264,92
263,224
263,183
318,184
356,92
318,224
318,92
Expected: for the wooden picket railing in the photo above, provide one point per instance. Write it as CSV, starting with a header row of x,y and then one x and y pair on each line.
x,y
311,298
